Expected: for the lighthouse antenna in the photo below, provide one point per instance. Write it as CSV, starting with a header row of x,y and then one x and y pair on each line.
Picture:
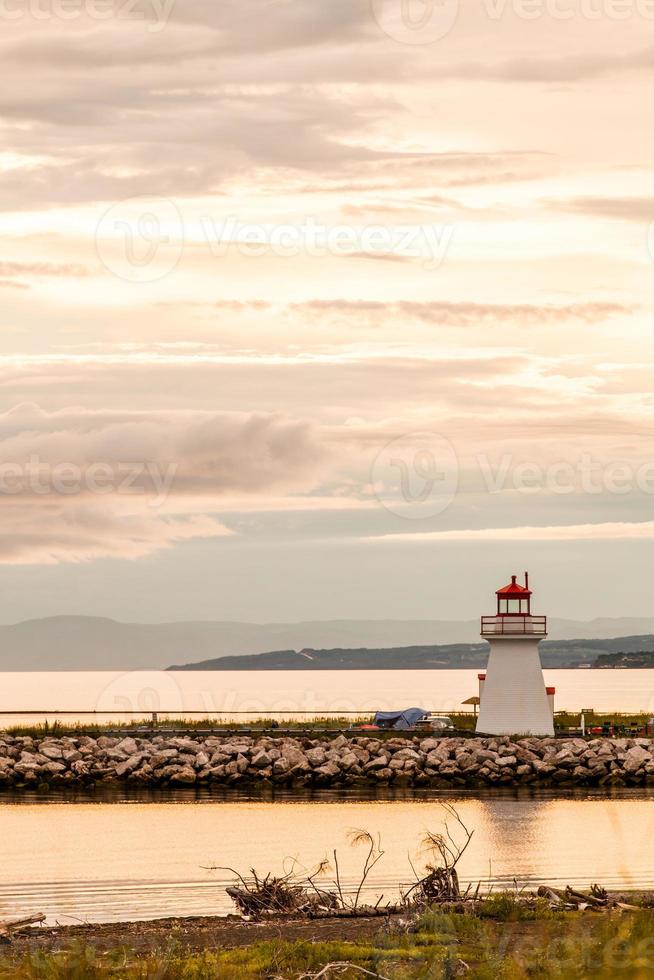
x,y
526,580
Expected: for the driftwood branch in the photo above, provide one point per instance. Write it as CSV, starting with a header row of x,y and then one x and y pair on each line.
x,y
10,926
362,912
340,968
338,878
375,854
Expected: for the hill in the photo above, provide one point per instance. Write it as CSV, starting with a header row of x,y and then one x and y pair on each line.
x,y
398,658
567,653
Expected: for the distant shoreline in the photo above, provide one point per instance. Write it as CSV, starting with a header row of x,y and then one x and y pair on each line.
x,y
619,653
248,669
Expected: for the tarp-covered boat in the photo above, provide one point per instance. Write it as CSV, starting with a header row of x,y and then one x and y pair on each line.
x,y
402,720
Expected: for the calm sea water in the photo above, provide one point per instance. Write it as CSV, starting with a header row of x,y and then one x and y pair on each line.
x,y
110,862
263,692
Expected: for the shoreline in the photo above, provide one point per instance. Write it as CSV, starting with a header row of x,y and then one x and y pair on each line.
x,y
192,936
199,932
343,763
194,933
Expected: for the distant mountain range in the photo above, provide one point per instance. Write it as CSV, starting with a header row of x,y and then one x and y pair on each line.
x,y
93,643
561,653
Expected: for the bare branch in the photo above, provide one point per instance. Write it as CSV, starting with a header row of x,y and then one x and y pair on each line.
x,y
340,967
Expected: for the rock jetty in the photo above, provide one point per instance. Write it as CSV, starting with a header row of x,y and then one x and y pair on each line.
x,y
232,761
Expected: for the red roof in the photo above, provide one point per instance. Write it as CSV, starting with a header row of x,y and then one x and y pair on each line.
x,y
514,588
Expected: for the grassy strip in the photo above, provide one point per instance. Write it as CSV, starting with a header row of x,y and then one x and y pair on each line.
x,y
599,718
164,724
509,943
463,721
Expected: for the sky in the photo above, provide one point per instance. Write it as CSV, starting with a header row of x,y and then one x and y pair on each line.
x,y
325,310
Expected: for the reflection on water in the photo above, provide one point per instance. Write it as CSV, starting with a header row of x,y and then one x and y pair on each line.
x,y
99,861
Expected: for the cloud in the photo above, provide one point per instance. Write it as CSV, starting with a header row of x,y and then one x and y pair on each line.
x,y
12,284
15,273
610,531
279,27
384,257
197,30
68,534
466,314
78,484
573,67
213,452
203,138
640,209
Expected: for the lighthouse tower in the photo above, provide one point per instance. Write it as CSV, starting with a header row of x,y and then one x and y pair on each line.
x,y
513,696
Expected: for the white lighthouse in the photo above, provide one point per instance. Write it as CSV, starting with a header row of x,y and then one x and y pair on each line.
x,y
513,696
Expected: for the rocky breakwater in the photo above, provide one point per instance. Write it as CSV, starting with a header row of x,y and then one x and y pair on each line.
x,y
324,762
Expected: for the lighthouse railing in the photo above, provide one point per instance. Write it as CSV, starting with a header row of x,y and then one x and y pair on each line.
x,y
514,625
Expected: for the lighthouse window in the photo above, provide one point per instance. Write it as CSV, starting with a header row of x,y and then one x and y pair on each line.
x,y
514,605
524,605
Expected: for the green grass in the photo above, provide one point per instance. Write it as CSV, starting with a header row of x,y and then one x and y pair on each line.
x,y
547,946
335,724
597,719
145,726
463,721
504,907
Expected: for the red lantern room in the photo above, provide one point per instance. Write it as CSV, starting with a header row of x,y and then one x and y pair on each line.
x,y
514,617
514,599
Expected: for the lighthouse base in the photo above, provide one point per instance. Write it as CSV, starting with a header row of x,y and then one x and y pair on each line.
x,y
514,699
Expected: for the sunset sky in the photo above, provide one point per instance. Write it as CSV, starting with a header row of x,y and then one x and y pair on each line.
x,y
327,308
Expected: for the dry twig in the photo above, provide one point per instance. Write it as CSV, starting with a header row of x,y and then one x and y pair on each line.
x,y
17,925
331,967
441,883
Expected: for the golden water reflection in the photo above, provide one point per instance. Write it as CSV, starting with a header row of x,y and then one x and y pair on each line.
x,y
104,861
